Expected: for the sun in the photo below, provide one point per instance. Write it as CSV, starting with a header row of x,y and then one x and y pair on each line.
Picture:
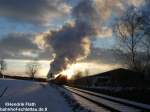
x,y
73,69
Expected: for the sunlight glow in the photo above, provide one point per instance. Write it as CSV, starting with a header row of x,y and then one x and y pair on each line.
x,y
17,67
90,67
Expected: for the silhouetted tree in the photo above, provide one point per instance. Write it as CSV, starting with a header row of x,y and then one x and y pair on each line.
x,y
146,48
146,41
3,67
129,30
32,68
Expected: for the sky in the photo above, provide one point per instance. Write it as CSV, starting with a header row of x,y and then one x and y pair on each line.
x,y
53,29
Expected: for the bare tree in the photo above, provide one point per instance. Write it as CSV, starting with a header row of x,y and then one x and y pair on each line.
x,y
146,57
146,40
32,68
3,67
129,30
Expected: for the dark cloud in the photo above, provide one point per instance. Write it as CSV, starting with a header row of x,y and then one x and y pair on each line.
x,y
13,41
46,54
86,12
33,11
22,46
13,44
69,44
105,56
72,41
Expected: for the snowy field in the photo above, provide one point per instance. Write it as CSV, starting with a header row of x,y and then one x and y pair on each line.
x,y
31,94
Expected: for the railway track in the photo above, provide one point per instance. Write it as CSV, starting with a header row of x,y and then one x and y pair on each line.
x,y
111,103
3,90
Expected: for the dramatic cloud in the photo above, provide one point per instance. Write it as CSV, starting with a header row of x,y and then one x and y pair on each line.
x,y
104,56
67,44
17,45
72,41
14,44
33,11
107,8
136,2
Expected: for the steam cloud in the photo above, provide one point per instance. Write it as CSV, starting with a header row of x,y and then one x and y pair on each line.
x,y
72,41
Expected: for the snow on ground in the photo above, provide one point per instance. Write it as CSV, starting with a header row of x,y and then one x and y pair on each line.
x,y
80,104
87,104
39,93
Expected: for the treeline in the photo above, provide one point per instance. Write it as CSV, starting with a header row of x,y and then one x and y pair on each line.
x,y
24,78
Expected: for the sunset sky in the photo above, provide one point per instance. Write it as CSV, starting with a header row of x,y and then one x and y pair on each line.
x,y
24,25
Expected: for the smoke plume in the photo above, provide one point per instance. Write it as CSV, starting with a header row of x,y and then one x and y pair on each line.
x,y
72,41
